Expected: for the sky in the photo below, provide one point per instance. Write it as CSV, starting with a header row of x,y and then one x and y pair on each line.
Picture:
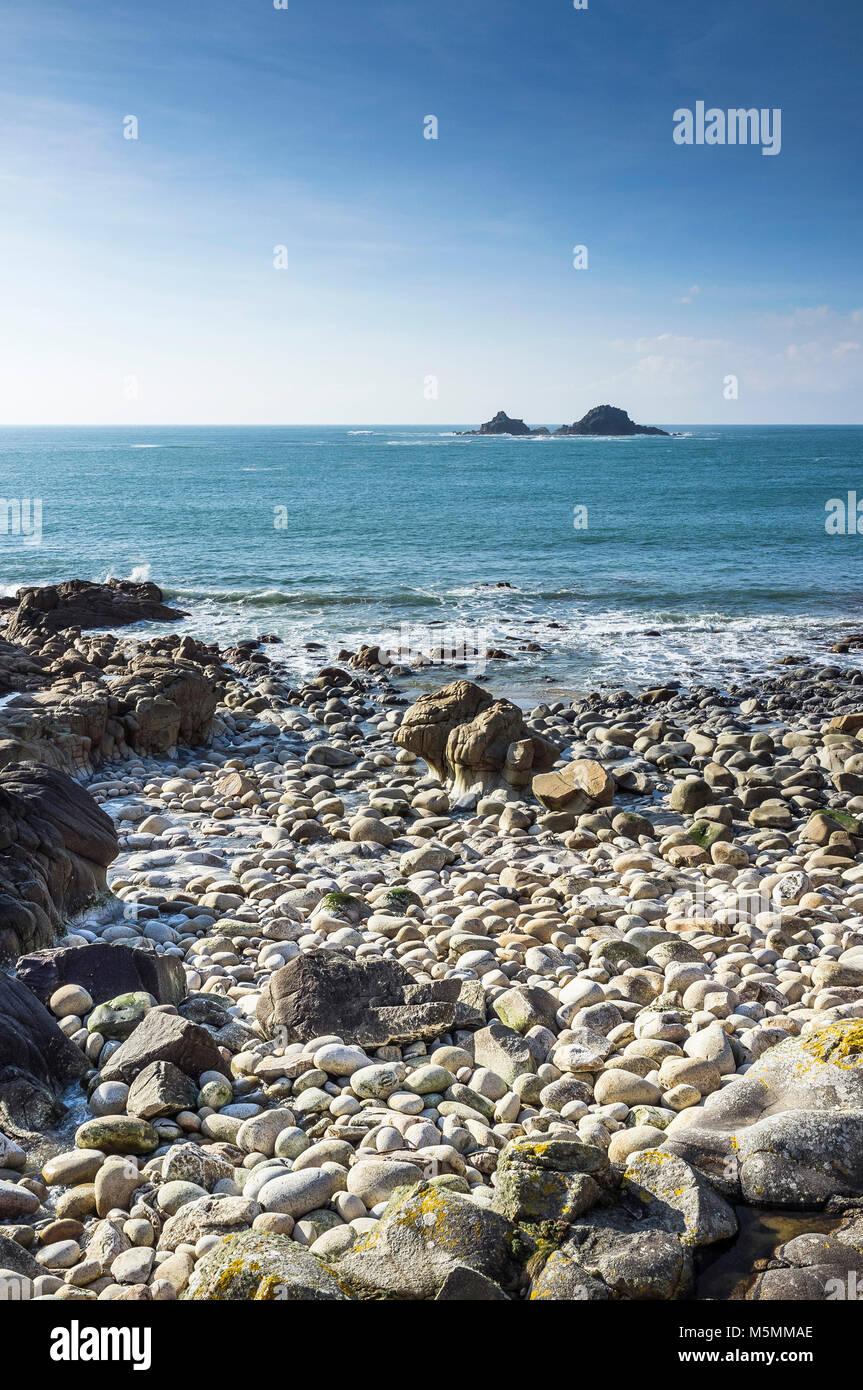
x,y
281,243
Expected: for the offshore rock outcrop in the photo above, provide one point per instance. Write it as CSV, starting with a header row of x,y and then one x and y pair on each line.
x,y
504,424
607,420
600,420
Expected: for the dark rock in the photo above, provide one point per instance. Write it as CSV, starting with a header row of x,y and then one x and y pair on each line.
x,y
55,847
161,1037
503,424
373,1004
105,971
80,604
207,1010
161,1089
607,420
36,1060
14,1257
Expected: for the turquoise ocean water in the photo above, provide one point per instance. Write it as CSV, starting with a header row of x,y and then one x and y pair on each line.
x,y
715,539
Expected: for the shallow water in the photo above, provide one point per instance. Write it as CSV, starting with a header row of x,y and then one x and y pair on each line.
x,y
731,1275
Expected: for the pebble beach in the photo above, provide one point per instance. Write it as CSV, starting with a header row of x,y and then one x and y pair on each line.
x,y
592,1017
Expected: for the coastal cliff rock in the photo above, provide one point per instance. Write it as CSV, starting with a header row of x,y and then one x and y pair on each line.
x,y
608,420
163,703
36,1060
474,743
55,847
80,604
157,703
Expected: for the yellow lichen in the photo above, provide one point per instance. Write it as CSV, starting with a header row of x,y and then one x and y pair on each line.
x,y
840,1044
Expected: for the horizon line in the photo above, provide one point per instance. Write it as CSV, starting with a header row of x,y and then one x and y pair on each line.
x,y
400,424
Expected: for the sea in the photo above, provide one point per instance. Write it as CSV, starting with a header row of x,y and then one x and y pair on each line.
x,y
591,562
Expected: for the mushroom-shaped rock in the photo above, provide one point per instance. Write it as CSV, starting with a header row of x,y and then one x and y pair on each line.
x,y
474,743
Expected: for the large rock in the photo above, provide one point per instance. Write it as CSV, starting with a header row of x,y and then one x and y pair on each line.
x,y
158,702
55,848
36,1061
424,1234
472,742
166,702
161,1037
815,1266
677,1199
161,1089
262,1268
372,1003
789,1132
606,1257
541,1179
105,971
80,604
580,785
502,423
605,420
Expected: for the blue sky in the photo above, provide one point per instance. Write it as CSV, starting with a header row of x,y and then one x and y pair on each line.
x,y
137,282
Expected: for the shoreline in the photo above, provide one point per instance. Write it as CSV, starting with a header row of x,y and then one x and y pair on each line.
x,y
621,965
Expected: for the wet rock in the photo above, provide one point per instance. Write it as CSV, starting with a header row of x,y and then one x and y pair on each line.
x,y
36,1060
81,604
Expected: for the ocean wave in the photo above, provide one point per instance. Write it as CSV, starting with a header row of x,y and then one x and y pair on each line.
x,y
138,574
275,598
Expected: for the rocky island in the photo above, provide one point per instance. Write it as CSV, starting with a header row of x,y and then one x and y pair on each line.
x,y
293,974
600,420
